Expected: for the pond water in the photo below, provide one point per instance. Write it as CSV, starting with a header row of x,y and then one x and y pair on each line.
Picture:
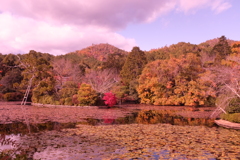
x,y
140,117
118,133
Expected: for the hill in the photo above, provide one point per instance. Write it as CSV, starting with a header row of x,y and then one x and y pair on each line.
x,y
214,41
100,51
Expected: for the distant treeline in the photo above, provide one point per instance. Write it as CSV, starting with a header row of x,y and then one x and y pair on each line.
x,y
179,74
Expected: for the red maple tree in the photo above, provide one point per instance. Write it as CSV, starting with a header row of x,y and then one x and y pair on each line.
x,y
110,99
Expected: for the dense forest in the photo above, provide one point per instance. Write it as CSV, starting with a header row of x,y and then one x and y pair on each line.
x,y
180,74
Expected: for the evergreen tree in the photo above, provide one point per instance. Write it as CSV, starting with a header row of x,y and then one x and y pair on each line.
x,y
133,66
221,49
132,69
115,61
38,66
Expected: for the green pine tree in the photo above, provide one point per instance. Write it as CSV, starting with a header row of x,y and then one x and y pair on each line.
x,y
132,69
221,49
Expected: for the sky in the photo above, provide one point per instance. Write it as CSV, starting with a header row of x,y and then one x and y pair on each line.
x,y
62,26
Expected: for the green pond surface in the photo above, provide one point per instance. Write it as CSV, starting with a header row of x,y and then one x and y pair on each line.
x,y
141,134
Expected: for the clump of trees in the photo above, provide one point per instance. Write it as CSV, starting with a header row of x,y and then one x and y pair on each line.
x,y
174,82
179,74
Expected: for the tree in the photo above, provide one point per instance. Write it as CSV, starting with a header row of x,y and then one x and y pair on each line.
x,y
174,82
221,50
86,95
66,93
174,50
114,61
64,67
10,60
110,99
132,69
10,73
101,80
11,80
226,77
37,66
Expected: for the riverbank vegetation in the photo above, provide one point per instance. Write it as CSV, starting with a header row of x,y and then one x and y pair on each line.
x,y
180,74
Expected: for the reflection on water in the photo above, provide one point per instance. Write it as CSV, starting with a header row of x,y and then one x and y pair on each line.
x,y
8,141
141,117
20,127
151,117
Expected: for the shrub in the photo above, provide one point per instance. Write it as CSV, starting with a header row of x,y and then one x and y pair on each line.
x,y
68,101
46,99
110,99
75,99
62,101
7,96
68,90
12,96
234,106
1,96
235,117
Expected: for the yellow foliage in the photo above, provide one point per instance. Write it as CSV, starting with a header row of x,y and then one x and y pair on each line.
x,y
174,82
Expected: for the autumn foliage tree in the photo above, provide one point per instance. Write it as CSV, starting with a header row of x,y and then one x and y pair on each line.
x,y
68,92
110,99
87,96
174,82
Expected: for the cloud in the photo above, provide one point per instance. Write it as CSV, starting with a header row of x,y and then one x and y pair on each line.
x,y
59,27
192,6
106,13
23,34
220,6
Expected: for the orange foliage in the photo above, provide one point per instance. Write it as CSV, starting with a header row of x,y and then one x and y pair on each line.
x,y
174,82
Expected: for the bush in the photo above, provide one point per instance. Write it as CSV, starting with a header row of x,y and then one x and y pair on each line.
x,y
1,96
62,101
75,99
68,101
46,99
235,117
67,92
7,96
12,96
234,106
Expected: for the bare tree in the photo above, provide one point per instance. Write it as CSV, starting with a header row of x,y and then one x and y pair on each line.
x,y
227,79
65,68
101,81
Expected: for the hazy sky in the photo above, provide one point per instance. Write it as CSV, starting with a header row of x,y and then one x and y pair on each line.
x,y
61,26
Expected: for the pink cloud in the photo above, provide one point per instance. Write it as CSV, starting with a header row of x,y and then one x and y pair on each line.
x,y
59,27
23,34
107,13
192,5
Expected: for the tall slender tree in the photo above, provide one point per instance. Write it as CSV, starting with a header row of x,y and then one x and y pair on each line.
x,y
221,50
133,66
132,69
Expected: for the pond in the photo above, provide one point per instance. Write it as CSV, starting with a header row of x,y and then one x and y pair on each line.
x,y
124,132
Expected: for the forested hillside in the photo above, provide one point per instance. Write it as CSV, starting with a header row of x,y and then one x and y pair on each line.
x,y
179,74
100,51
